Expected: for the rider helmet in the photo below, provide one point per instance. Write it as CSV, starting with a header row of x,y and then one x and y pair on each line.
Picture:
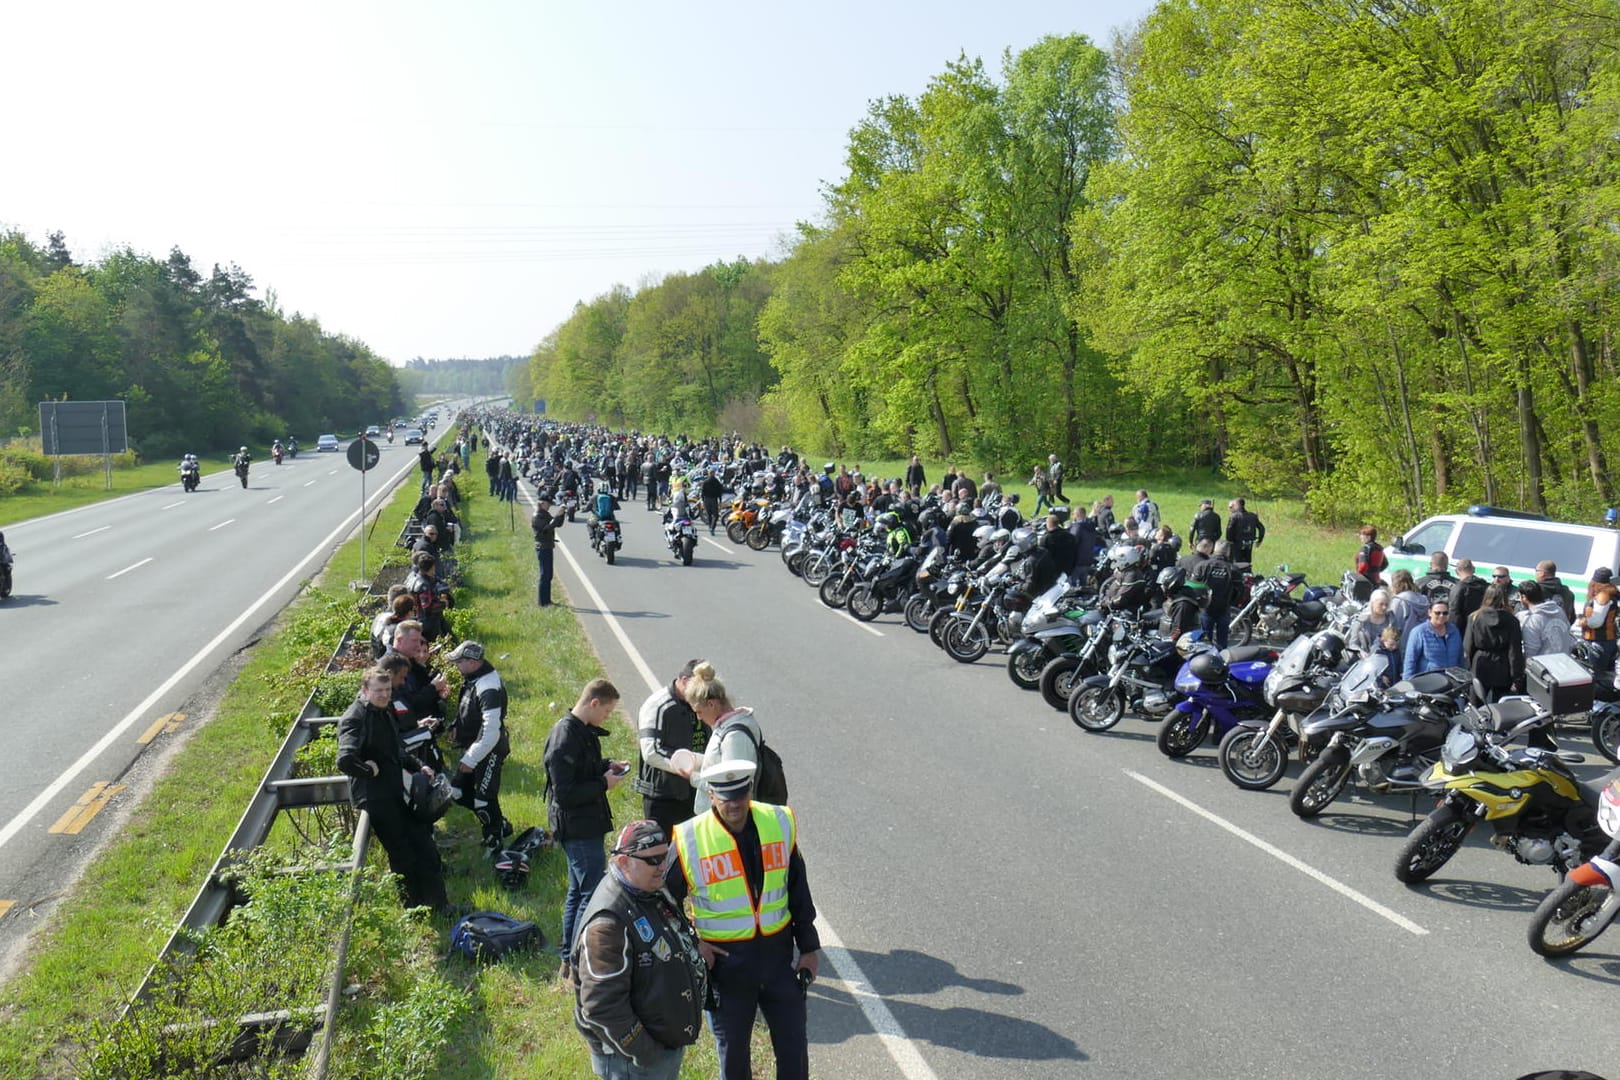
x,y
891,520
242,451
1209,668
1171,579
999,536
1023,539
982,534
1125,556
1328,648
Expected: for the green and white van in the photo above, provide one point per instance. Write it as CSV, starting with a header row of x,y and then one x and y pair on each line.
x,y
1510,538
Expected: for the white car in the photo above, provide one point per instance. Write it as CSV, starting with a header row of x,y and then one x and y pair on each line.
x,y
327,442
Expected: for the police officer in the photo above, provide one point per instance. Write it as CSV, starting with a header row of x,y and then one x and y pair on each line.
x,y
753,911
480,731
639,979
545,525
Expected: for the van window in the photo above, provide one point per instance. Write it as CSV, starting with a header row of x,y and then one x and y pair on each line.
x,y
1490,544
1431,537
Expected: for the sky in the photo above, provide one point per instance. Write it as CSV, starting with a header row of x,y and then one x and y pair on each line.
x,y
450,179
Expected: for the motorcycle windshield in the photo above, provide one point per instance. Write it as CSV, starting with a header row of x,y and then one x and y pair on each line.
x,y
1362,677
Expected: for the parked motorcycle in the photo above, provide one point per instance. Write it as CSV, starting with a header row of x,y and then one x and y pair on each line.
x,y
886,590
1063,674
681,537
1055,625
1218,690
1272,614
1572,916
1542,813
1254,755
1388,740
1140,678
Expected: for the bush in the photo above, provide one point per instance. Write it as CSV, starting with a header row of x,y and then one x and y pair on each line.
x,y
13,476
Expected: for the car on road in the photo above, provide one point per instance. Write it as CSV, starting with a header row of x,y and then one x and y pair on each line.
x,y
327,442
413,435
373,430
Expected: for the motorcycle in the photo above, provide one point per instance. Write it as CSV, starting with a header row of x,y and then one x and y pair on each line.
x,y
861,564
1142,670
1271,614
681,537
1218,691
607,539
1254,755
768,528
390,435
1063,674
1572,916
1389,740
292,448
1542,813
570,504
1052,627
242,473
886,590
189,477
275,453
5,579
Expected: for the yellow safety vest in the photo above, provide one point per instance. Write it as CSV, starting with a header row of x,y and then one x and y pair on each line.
x,y
722,908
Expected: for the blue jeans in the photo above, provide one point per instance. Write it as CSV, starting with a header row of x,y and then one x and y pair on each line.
x,y
546,557
664,1065
1217,624
587,862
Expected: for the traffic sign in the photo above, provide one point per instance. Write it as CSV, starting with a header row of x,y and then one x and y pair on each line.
x,y
363,454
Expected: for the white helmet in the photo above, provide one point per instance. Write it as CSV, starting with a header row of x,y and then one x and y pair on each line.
x,y
1023,539
999,535
1125,556
982,533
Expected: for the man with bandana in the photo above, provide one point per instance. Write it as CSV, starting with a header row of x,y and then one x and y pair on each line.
x,y
639,979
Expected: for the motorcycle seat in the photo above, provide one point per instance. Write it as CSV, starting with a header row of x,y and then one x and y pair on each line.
x,y
1312,609
1592,790
1238,654
1434,682
1507,715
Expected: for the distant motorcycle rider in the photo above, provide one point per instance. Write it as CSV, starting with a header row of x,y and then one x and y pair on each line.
x,y
602,508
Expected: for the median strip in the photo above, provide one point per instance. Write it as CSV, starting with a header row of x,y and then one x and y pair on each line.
x,y
89,805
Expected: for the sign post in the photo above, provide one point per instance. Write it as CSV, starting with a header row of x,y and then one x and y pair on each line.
x,y
363,455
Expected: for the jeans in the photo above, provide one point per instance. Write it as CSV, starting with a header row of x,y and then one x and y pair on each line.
x,y
1217,624
664,1065
547,556
587,862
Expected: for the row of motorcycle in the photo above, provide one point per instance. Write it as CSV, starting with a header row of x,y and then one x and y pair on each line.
x,y
1292,689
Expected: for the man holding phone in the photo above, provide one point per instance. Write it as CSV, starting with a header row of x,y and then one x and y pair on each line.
x,y
578,779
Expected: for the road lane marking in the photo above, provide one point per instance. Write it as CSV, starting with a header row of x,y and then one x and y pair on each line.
x,y
221,525
92,532
721,546
332,473
277,499
1277,853
162,726
901,1049
127,569
857,622
10,829
89,805
307,483
171,506
6,906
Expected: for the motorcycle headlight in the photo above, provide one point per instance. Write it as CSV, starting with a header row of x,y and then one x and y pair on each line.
x,y
1117,653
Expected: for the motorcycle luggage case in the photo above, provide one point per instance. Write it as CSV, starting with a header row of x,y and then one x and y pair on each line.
x,y
1558,683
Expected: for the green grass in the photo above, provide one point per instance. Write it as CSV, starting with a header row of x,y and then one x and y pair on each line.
x,y
39,499
519,1022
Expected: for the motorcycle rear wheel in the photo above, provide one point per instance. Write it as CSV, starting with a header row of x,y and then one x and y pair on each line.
x,y
1568,919
835,591
918,613
609,552
864,603
1241,632
736,532
1432,844
687,544
936,626
757,538
1057,681
1097,708
964,645
1024,668
1183,733
1251,761
1320,783
1606,734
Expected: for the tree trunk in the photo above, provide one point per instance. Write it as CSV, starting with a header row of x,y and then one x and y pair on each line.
x,y
1596,465
1529,442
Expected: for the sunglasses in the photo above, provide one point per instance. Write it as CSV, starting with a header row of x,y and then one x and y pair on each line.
x,y
650,860
1501,577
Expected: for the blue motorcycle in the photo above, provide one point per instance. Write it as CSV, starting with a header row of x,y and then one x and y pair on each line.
x,y
1219,690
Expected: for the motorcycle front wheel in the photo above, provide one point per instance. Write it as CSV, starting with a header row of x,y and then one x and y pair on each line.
x,y
687,544
1241,632
864,603
736,532
1097,708
1182,734
918,613
1057,681
758,538
966,642
936,626
1252,761
1570,917
1432,844
1320,783
1024,668
835,590
817,567
1606,734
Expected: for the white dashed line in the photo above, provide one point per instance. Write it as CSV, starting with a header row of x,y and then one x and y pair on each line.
x,y
221,525
171,506
92,532
277,499
308,482
127,569
1282,856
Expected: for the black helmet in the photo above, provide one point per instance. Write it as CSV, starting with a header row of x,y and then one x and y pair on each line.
x,y
1328,647
512,867
891,520
1172,578
1209,668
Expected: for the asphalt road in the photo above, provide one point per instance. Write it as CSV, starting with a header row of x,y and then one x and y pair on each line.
x,y
122,611
1024,899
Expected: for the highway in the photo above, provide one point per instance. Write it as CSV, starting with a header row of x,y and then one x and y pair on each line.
x,y
123,610
1010,896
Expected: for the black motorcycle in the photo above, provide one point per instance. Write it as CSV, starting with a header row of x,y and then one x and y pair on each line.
x,y
189,477
1271,614
242,472
5,580
1141,678
887,590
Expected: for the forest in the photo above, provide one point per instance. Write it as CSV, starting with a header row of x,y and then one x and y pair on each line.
x,y
1357,251
201,362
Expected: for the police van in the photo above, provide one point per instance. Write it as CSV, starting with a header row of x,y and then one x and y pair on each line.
x,y
1493,537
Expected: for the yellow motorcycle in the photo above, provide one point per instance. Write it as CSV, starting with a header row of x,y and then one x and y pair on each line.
x,y
1542,813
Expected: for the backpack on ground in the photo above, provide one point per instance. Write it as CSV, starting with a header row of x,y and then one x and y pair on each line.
x,y
770,781
490,935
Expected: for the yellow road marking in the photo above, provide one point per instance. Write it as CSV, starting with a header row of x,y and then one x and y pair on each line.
x,y
89,805
163,725
6,906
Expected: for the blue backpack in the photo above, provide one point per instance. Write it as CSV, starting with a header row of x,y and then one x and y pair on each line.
x,y
490,935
